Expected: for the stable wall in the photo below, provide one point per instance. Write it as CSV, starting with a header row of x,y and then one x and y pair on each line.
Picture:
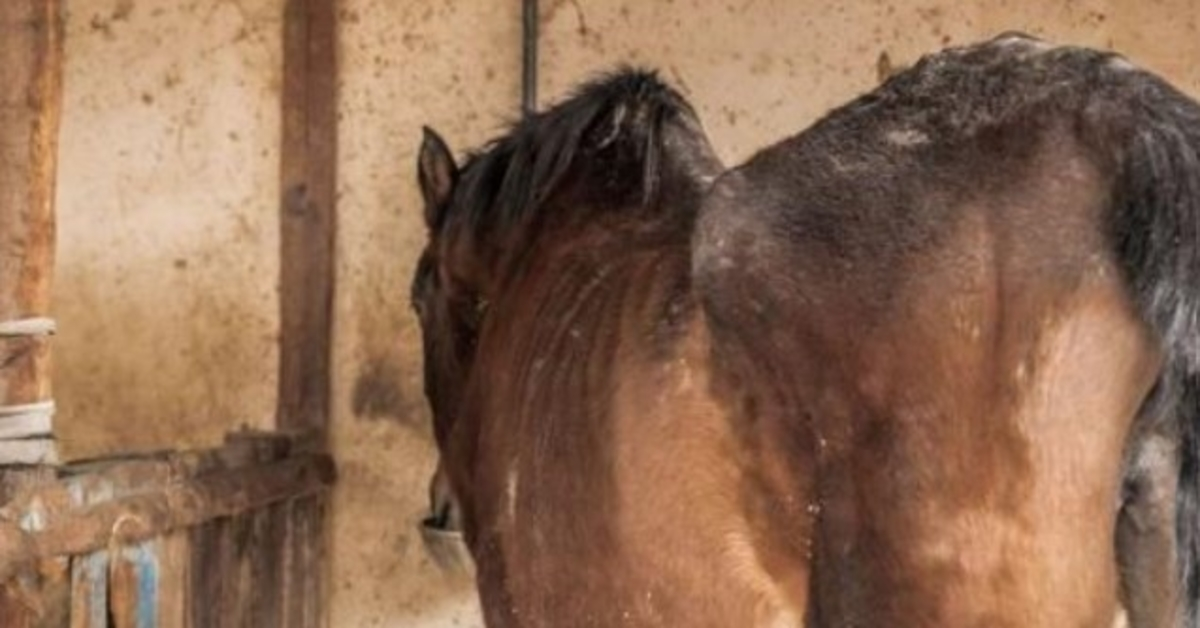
x,y
168,202
402,64
168,247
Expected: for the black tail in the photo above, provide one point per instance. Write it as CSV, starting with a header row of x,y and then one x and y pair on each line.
x,y
1157,230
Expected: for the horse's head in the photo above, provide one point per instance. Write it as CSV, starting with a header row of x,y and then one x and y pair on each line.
x,y
622,154
449,297
448,288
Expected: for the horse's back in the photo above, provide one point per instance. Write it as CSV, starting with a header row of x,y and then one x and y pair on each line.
x,y
947,334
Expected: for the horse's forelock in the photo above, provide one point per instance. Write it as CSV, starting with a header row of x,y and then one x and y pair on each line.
x,y
511,177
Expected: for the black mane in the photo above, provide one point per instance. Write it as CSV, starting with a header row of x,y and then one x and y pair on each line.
x,y
615,120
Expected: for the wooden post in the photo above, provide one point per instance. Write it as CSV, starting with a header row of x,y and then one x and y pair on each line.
x,y
308,177
308,174
31,53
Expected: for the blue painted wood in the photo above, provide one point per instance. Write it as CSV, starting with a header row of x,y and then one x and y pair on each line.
x,y
145,560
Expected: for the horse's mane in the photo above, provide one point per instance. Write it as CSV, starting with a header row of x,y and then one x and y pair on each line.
x,y
615,120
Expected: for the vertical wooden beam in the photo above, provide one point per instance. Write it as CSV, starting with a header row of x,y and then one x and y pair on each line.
x,y
308,174
31,53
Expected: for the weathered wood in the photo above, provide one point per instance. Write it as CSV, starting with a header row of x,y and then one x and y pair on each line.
x,y
211,594
89,590
238,587
41,597
134,585
31,53
183,503
38,599
305,564
308,177
266,566
174,580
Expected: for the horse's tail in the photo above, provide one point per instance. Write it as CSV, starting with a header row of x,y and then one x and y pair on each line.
x,y
1156,224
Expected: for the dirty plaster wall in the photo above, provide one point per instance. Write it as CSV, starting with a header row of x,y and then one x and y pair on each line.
x,y
403,64
167,206
761,69
757,70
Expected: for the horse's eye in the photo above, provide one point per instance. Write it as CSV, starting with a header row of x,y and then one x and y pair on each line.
x,y
474,311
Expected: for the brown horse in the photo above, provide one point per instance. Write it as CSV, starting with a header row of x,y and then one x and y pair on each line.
x,y
565,365
931,362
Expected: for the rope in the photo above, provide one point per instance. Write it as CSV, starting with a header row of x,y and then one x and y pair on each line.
x,y
27,420
36,408
38,326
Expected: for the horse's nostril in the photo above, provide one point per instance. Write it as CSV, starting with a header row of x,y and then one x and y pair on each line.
x,y
433,522
443,508
441,517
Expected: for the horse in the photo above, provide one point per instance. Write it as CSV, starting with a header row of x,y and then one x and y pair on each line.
x,y
561,350
932,361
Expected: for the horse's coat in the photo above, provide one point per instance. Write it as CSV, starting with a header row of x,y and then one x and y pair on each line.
x,y
931,362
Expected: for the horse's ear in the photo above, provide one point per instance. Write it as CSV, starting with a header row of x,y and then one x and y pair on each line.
x,y
436,171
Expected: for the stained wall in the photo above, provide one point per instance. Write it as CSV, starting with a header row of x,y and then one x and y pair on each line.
x,y
168,243
167,263
404,64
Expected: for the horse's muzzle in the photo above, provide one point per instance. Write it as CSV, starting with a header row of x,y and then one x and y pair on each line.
x,y
441,529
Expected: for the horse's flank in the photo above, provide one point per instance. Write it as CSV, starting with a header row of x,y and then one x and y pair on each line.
x,y
934,287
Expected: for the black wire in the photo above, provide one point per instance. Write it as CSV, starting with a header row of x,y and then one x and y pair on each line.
x,y
529,41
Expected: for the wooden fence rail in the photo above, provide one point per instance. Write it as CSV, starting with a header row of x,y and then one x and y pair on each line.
x,y
226,538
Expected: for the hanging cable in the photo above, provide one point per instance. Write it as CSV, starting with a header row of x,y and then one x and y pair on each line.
x,y
529,44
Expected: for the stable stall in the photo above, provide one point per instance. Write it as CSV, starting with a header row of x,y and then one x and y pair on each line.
x,y
232,535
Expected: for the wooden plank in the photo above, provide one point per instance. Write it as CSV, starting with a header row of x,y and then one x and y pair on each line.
x,y
182,503
134,586
89,590
308,216
40,598
308,178
211,560
305,564
239,586
174,579
31,52
265,566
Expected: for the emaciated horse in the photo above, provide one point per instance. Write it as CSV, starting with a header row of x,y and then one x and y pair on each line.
x,y
931,362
